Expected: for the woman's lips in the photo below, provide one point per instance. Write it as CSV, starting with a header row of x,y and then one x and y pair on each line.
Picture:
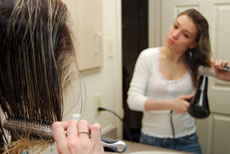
x,y
170,41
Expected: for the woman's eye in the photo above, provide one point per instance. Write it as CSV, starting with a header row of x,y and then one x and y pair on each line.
x,y
175,26
186,35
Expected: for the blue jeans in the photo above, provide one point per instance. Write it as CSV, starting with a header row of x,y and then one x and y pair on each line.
x,y
188,143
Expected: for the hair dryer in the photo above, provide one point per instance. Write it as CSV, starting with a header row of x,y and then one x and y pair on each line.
x,y
199,107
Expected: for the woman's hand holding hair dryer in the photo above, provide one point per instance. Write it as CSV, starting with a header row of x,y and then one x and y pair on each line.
x,y
181,103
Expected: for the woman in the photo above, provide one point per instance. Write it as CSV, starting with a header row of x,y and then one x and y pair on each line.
x,y
37,69
164,80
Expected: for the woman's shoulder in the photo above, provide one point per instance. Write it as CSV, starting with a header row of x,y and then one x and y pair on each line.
x,y
150,53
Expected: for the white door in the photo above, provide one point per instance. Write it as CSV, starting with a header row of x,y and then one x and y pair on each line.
x,y
213,132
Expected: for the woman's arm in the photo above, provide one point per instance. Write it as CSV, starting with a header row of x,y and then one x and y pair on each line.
x,y
179,104
136,98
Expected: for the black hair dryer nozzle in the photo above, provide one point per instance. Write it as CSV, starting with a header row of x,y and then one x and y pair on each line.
x,y
199,107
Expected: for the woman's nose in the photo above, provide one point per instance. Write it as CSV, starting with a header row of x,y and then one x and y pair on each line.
x,y
176,33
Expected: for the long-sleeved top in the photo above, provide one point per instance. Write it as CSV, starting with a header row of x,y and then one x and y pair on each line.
x,y
147,82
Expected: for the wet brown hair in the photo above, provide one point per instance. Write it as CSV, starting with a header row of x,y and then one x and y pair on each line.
x,y
202,52
37,60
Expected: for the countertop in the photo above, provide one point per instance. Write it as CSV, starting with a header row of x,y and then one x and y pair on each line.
x,y
135,147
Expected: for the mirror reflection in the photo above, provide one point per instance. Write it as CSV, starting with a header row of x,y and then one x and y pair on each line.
x,y
146,75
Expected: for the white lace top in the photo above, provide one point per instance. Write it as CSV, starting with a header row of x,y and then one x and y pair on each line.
x,y
147,82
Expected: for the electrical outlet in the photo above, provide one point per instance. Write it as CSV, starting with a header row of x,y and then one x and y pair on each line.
x,y
97,103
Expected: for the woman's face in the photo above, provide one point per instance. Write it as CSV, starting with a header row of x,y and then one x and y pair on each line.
x,y
182,34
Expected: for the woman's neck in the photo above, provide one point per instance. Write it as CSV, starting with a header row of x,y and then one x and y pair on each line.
x,y
173,56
